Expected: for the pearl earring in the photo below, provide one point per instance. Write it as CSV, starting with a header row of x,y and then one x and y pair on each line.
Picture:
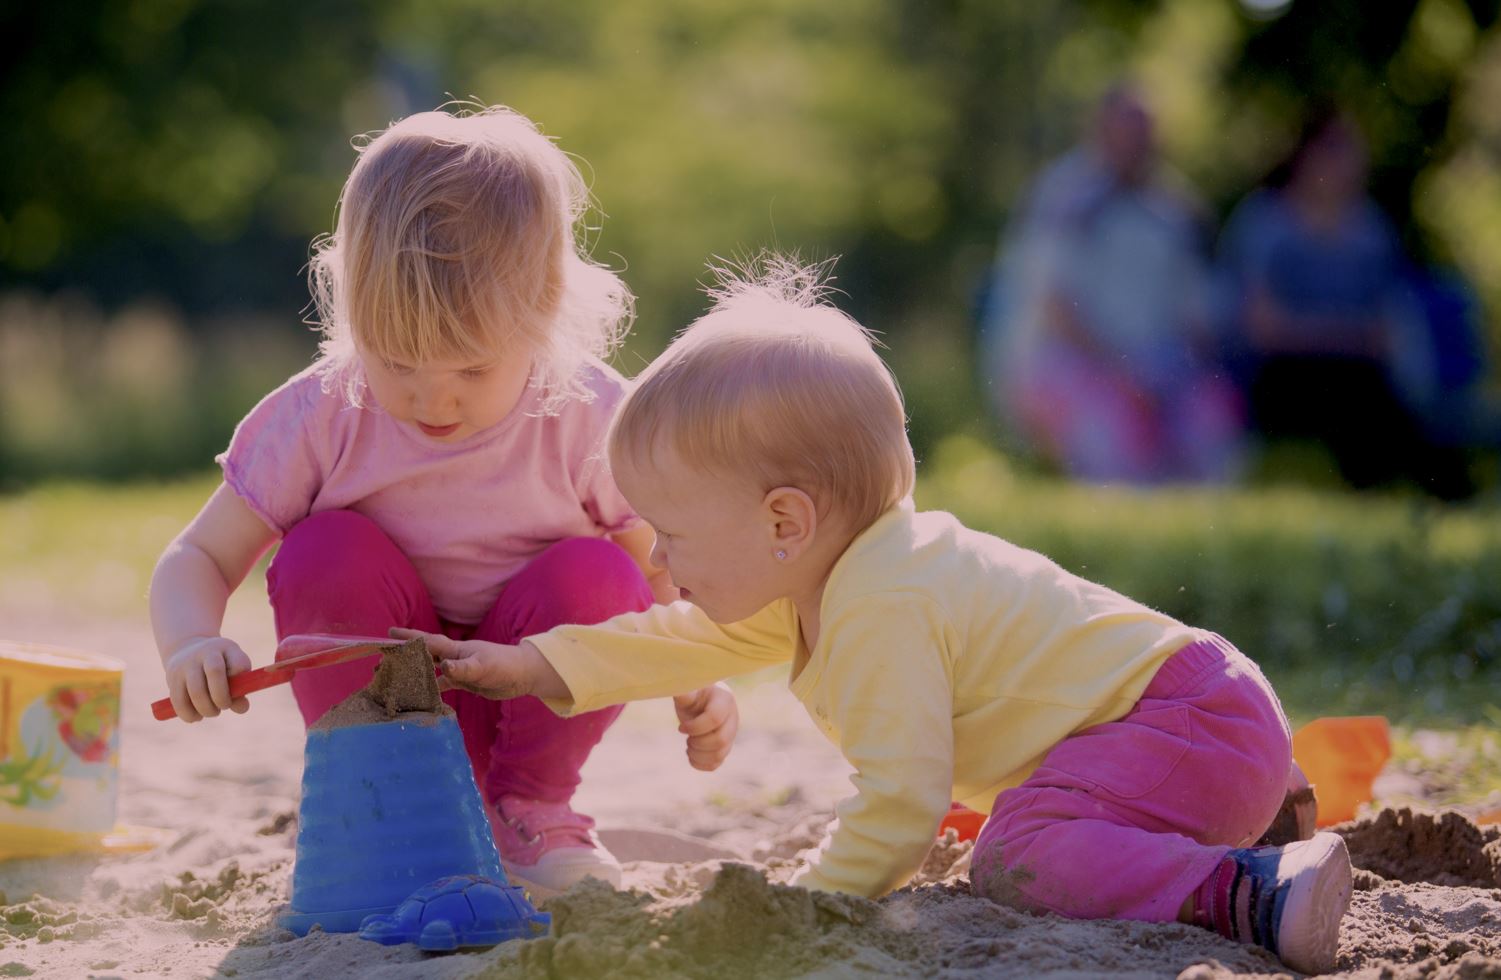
x,y
781,555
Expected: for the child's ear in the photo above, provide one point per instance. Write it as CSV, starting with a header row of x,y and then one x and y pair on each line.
x,y
793,520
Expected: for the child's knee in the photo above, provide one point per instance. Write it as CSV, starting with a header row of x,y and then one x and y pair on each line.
x,y
999,871
594,577
345,529
995,873
330,548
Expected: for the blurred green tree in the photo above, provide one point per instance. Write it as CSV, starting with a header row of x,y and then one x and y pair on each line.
x,y
160,146
190,150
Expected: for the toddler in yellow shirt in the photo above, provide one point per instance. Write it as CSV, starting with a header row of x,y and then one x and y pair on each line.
x,y
1127,762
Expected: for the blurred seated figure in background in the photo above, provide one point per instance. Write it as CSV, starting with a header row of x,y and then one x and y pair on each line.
x,y
1100,349
1332,343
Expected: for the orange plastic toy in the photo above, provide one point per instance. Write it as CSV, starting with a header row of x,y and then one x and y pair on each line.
x,y
965,821
1341,758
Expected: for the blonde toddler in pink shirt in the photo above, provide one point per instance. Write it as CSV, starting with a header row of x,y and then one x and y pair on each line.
x,y
439,467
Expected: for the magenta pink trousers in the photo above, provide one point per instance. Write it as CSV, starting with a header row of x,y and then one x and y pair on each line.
x,y
1124,820
337,572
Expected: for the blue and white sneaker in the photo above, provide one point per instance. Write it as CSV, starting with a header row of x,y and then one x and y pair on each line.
x,y
1287,899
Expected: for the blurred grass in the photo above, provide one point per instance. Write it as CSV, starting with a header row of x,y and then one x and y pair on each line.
x,y
1451,767
1352,604
89,546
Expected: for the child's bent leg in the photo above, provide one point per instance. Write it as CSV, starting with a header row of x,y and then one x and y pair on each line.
x,y
520,747
527,759
338,572
1126,819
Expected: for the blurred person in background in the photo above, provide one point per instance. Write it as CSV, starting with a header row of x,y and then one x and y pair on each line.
x,y
1456,403
1101,352
1332,342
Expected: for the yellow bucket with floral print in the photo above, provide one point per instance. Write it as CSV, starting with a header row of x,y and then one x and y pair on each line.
x,y
59,749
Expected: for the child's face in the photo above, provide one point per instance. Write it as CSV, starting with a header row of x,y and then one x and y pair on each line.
x,y
447,400
714,535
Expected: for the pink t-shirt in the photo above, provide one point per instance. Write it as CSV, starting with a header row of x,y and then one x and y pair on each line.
x,y
468,514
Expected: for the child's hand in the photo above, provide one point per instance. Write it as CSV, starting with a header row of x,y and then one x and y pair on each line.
x,y
491,670
198,675
710,719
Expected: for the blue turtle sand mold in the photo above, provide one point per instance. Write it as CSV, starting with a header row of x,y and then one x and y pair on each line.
x,y
460,912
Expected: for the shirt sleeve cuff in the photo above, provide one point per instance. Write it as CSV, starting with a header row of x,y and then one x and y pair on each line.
x,y
236,482
557,651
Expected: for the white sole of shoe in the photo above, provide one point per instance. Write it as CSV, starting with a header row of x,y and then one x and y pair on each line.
x,y
539,890
534,891
1308,931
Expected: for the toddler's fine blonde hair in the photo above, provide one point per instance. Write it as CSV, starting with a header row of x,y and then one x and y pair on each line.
x,y
455,239
776,385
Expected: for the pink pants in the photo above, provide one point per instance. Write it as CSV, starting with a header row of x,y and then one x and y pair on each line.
x,y
337,572
1124,820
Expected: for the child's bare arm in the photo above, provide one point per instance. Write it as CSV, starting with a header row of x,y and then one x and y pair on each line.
x,y
189,589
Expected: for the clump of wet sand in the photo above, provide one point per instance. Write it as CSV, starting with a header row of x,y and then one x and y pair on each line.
x,y
1417,847
1284,828
948,858
404,686
1428,899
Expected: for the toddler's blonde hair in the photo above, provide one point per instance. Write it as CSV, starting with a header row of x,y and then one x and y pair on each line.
x,y
455,239
776,385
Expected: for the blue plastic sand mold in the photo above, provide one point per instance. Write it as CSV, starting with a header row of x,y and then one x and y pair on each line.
x,y
387,809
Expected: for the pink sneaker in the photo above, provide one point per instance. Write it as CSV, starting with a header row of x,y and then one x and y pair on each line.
x,y
546,847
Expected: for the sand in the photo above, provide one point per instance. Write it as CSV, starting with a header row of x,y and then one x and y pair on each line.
x,y
1416,847
404,688
706,859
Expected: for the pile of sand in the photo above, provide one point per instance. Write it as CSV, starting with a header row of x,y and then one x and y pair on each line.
x,y
404,688
1413,846
742,925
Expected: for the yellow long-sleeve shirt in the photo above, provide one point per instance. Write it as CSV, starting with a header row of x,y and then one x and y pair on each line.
x,y
948,663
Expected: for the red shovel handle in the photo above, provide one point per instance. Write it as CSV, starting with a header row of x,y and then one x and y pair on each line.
x,y
241,684
297,652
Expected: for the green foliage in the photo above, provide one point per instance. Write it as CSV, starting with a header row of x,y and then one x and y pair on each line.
x,y
187,152
155,119
717,129
1351,604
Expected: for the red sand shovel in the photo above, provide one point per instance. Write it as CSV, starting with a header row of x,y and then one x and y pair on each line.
x,y
301,651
